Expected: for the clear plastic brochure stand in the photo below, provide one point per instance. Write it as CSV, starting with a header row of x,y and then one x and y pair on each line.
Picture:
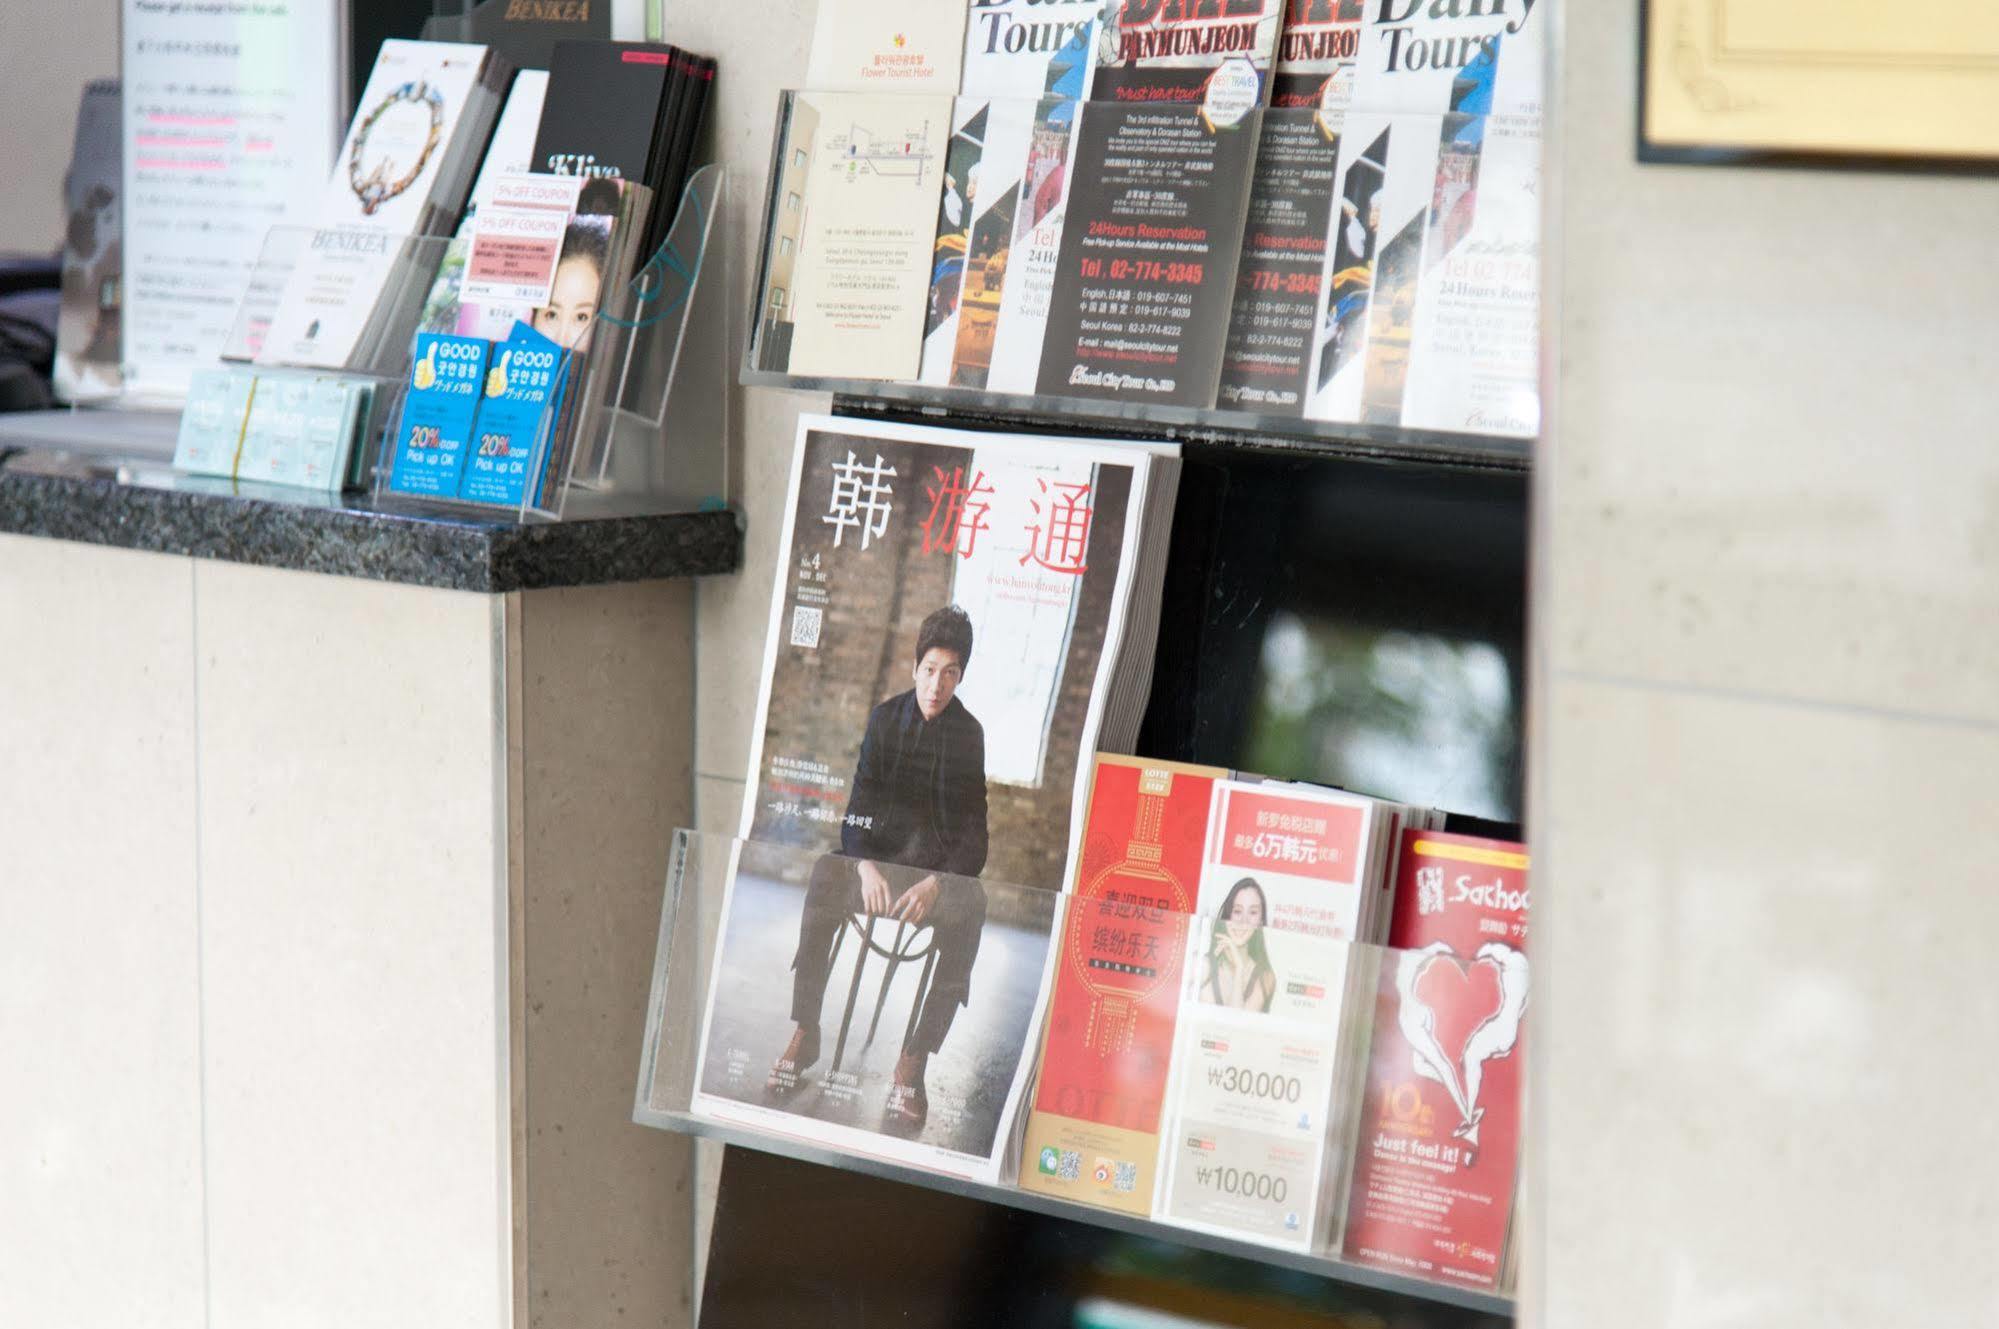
x,y
642,428
1103,273
1272,1135
306,375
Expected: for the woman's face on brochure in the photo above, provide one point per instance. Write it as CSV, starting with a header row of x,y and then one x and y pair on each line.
x,y
572,305
1245,915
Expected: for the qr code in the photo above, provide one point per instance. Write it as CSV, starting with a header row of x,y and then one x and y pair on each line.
x,y
805,621
1070,1166
1124,1178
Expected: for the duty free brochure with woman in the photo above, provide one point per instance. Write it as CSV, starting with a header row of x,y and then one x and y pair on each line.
x,y
1198,1060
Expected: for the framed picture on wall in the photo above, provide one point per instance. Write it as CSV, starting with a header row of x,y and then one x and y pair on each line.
x,y
1908,85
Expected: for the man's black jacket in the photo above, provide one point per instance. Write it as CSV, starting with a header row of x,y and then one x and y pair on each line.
x,y
919,795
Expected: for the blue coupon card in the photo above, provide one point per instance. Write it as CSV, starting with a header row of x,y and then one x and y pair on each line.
x,y
521,383
434,434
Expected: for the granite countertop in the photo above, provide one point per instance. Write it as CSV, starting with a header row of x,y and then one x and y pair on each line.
x,y
139,502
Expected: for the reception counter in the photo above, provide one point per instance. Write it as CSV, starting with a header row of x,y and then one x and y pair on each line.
x,y
334,844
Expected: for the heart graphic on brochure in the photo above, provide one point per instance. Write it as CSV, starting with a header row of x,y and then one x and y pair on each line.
x,y
1457,1016
1460,999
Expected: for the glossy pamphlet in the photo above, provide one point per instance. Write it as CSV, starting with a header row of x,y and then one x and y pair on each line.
x,y
1437,1164
1100,1091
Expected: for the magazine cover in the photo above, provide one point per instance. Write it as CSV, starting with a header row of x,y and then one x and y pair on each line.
x,y
1434,1172
1093,1134
847,276
86,363
1431,310
1146,271
900,1029
1215,55
938,658
1024,50
936,669
1417,55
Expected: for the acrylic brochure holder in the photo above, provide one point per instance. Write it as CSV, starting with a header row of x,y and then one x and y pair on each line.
x,y
1275,330
645,427
1261,1129
372,351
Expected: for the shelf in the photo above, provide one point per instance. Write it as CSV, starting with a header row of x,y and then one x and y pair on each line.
x,y
138,501
1233,429
1320,1265
719,1014
1229,343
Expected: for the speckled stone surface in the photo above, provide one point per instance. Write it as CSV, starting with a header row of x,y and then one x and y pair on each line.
x,y
351,536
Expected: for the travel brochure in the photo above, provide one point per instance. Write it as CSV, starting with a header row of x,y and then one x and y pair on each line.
x,y
960,932
468,200
1325,211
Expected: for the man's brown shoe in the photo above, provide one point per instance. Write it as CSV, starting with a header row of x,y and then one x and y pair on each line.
x,y
908,1106
787,1073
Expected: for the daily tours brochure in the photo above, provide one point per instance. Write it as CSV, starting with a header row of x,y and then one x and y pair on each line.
x,y
952,635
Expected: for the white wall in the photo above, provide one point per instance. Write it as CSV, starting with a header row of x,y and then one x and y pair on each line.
x,y
47,53
1769,737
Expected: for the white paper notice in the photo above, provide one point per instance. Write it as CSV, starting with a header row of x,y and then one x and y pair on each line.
x,y
232,118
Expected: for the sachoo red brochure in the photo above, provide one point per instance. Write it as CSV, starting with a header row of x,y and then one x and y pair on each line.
x,y
1439,1146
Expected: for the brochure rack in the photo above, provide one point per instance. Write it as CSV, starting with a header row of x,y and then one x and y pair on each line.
x,y
636,444
379,357
1214,420
1388,556
864,1014
649,426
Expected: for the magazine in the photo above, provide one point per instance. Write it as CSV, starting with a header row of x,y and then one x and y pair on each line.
x,y
910,1030
958,624
1021,557
1216,56
1315,54
1023,50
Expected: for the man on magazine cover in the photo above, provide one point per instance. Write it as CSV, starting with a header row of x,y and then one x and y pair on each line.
x,y
912,844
